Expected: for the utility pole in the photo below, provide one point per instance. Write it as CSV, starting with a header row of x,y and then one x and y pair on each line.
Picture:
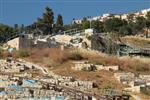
x,y
90,19
90,22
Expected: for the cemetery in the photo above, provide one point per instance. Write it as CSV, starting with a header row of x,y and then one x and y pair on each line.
x,y
135,83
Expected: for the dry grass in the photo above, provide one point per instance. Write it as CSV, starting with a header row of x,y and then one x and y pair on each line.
x,y
53,57
143,96
48,56
61,62
101,78
136,65
137,41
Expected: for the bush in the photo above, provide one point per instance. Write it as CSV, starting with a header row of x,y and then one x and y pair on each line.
x,y
75,56
89,37
23,53
107,87
46,55
145,91
95,62
1,54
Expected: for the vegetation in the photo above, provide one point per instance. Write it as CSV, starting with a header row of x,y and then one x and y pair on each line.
x,y
1,53
23,53
145,91
96,62
46,22
54,57
59,24
89,37
7,32
115,25
75,55
98,25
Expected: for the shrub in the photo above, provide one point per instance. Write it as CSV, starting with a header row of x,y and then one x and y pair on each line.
x,y
95,62
108,86
75,56
1,54
23,53
46,55
145,91
89,37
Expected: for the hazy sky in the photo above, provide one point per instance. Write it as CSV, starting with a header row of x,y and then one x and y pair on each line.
x,y
27,11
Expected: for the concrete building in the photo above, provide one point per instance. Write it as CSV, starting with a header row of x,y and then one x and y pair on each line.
x,y
21,42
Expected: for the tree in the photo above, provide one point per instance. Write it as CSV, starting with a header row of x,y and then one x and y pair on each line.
x,y
147,22
148,15
130,17
140,23
59,23
98,26
86,24
113,24
47,21
6,32
125,30
133,27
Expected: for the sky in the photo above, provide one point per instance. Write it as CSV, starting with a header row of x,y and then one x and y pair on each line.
x,y
27,11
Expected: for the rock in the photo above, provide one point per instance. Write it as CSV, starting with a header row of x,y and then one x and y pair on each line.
x,y
84,45
76,40
103,44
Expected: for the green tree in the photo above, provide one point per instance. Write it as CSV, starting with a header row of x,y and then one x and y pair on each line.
x,y
148,15
72,26
59,23
98,26
140,23
125,30
47,21
113,24
86,24
147,22
6,32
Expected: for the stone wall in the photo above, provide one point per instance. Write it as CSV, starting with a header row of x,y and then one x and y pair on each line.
x,y
91,67
25,43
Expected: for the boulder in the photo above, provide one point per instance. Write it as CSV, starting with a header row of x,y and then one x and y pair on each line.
x,y
103,44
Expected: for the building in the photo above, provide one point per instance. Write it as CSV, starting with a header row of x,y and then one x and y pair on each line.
x,y
21,42
77,21
108,16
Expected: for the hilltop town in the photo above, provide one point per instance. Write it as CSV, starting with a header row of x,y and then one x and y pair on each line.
x,y
96,58
125,16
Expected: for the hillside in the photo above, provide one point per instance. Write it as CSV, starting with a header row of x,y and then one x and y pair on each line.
x,y
138,42
61,62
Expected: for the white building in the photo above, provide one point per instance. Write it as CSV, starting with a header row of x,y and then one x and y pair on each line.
x,y
79,21
96,18
124,16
